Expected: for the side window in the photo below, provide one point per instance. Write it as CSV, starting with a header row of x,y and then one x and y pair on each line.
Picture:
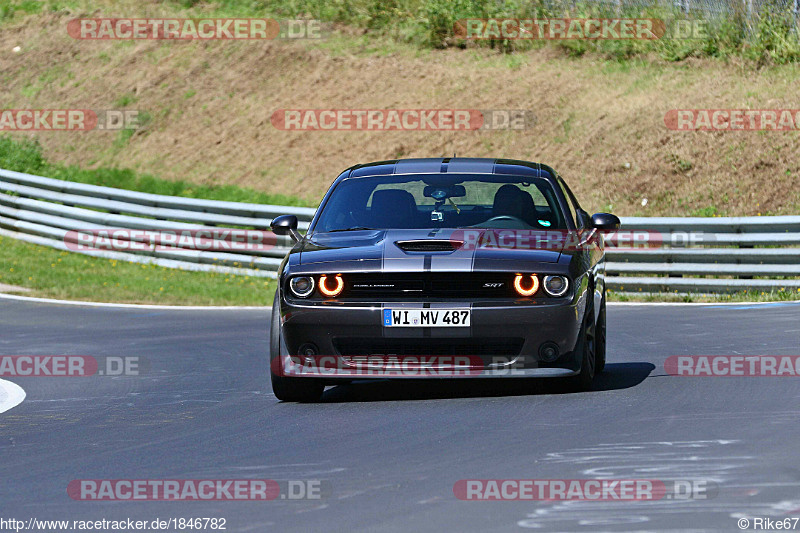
x,y
570,205
581,217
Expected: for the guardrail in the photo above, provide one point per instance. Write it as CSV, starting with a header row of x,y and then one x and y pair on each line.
x,y
44,211
720,254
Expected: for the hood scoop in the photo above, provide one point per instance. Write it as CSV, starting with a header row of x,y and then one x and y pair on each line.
x,y
429,245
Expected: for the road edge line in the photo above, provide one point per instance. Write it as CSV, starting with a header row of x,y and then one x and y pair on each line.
x,y
133,306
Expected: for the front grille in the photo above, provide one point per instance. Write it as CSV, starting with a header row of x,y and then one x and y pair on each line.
x,y
481,347
430,285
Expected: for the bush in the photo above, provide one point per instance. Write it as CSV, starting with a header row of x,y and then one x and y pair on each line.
x,y
768,37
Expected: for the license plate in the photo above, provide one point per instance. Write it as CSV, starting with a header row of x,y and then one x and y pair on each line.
x,y
426,318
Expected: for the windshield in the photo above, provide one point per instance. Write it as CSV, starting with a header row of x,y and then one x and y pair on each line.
x,y
422,201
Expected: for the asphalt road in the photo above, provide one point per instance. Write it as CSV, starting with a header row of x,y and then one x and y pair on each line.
x,y
388,453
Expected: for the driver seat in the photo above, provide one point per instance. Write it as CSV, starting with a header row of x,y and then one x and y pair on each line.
x,y
509,200
392,208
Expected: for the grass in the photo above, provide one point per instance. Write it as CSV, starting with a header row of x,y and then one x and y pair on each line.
x,y
53,273
125,100
26,156
781,295
9,8
770,37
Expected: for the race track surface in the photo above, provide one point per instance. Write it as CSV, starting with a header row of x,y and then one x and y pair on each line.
x,y
388,453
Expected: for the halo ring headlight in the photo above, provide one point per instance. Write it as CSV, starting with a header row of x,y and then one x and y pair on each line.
x,y
331,293
522,287
302,286
556,286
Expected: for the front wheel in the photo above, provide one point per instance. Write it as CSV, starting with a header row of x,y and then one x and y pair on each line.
x,y
287,389
296,389
587,347
600,338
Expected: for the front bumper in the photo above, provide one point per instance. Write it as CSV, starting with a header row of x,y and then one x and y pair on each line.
x,y
347,340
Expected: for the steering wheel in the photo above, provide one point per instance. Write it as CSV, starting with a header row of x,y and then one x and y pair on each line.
x,y
511,218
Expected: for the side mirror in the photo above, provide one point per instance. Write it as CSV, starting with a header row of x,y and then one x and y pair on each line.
x,y
286,225
605,222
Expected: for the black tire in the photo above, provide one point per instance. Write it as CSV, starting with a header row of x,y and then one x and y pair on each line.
x,y
600,338
586,346
288,389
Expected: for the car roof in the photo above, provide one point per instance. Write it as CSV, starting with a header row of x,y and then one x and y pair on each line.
x,y
452,165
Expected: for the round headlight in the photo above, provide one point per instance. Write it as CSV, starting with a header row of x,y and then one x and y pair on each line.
x,y
302,286
526,285
556,285
331,288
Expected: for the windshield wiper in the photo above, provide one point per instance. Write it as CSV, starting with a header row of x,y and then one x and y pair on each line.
x,y
354,228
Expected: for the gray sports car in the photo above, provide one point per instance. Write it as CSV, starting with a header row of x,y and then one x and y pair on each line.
x,y
441,268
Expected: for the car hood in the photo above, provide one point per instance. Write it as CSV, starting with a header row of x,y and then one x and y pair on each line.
x,y
419,249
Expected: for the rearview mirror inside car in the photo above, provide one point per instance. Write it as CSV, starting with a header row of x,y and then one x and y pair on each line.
x,y
438,192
